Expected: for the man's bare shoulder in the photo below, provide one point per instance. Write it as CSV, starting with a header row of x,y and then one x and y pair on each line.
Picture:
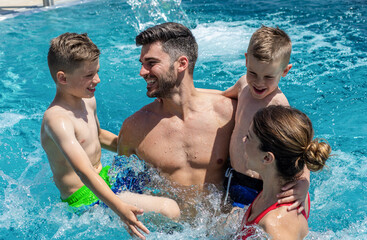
x,y
224,106
135,127
144,115
142,120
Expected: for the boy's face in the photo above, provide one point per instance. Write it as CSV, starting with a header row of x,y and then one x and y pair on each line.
x,y
262,77
83,80
157,70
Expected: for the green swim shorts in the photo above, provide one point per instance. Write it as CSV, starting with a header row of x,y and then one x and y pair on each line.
x,y
84,196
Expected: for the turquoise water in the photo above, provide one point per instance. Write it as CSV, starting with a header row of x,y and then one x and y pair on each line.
x,y
327,81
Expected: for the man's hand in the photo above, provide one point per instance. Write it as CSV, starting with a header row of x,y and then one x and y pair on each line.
x,y
129,217
296,192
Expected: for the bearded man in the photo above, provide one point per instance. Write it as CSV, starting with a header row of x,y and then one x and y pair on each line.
x,y
184,133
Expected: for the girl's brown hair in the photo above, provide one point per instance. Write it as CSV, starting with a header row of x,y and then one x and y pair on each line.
x,y
288,134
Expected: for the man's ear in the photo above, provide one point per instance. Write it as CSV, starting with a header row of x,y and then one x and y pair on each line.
x,y
269,158
60,77
183,63
286,70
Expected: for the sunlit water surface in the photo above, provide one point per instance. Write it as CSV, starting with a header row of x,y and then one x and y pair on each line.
x,y
327,81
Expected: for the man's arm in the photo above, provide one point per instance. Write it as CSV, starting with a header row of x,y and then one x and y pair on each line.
x,y
61,130
126,138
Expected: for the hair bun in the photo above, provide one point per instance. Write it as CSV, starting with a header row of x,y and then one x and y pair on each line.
x,y
316,154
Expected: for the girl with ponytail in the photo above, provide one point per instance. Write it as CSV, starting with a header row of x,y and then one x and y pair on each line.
x,y
278,146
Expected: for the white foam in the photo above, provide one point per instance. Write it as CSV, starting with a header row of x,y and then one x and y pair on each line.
x,y
222,40
8,120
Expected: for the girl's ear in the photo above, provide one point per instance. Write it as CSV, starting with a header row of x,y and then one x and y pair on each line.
x,y
60,77
269,158
183,63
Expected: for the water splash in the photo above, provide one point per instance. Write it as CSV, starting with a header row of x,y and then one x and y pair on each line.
x,y
151,12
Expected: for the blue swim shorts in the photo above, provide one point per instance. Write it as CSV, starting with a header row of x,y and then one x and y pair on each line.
x,y
130,175
242,189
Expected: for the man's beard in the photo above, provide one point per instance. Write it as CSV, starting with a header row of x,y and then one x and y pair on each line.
x,y
165,85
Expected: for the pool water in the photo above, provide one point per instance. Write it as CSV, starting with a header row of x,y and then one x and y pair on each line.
x,y
327,81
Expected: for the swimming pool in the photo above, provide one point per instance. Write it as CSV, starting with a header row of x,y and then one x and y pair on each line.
x,y
327,81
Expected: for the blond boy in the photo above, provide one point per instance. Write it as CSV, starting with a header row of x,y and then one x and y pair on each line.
x,y
72,138
267,60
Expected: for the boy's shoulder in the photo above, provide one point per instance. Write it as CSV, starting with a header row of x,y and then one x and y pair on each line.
x,y
279,98
55,118
59,111
242,82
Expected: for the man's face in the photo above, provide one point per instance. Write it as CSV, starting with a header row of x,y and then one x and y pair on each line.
x,y
157,70
262,77
83,80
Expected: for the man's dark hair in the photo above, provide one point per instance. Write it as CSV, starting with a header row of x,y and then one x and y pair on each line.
x,y
176,39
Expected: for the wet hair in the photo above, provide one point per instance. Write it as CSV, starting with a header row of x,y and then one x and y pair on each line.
x,y
176,40
68,51
288,134
268,44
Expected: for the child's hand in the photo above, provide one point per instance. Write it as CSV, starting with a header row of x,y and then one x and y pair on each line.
x,y
296,192
129,214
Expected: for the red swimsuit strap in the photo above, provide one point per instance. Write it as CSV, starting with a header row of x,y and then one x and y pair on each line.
x,y
272,207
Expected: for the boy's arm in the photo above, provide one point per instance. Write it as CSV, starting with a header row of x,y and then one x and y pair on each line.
x,y
61,130
205,90
232,92
296,192
107,139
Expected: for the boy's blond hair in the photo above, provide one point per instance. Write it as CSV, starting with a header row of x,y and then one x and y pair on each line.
x,y
68,51
268,44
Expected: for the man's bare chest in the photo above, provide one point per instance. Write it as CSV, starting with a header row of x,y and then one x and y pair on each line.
x,y
177,145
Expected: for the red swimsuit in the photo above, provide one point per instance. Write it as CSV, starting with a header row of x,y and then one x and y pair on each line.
x,y
250,231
